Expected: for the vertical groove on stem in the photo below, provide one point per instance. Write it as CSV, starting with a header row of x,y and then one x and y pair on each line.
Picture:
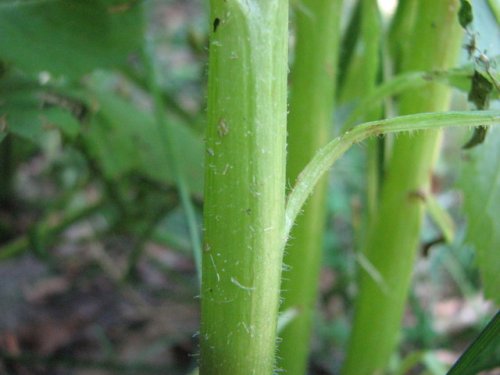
x,y
244,186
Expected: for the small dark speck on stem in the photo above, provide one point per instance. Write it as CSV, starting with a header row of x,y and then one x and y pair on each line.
x,y
418,195
216,23
429,76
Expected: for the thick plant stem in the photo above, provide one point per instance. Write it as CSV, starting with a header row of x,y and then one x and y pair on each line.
x,y
245,186
393,236
371,32
313,78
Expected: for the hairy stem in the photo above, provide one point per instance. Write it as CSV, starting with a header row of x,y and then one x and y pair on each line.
x,y
326,156
313,79
244,186
393,235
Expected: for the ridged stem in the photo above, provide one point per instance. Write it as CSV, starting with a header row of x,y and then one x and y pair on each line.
x,y
313,78
244,186
393,236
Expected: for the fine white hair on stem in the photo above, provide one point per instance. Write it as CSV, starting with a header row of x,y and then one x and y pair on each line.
x,y
331,152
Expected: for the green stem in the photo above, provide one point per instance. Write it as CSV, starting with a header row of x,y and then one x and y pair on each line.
x,y
495,7
367,77
6,168
165,131
144,234
393,236
244,186
313,78
404,82
363,68
47,232
326,156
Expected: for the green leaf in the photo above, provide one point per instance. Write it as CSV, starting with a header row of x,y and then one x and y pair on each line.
x,y
480,181
478,137
125,139
465,16
69,37
479,94
63,120
30,112
457,77
480,91
483,353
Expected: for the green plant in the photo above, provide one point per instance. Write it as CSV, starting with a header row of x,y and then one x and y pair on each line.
x,y
313,80
394,231
245,186
392,271
254,227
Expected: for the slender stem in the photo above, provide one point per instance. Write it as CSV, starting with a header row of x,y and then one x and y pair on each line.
x,y
48,232
495,7
371,32
362,71
326,156
165,131
244,186
6,167
144,234
313,79
402,83
392,239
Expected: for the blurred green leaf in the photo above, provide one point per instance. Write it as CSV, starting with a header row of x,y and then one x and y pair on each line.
x,y
478,137
69,37
483,353
480,91
63,120
29,112
465,16
125,139
459,78
480,181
